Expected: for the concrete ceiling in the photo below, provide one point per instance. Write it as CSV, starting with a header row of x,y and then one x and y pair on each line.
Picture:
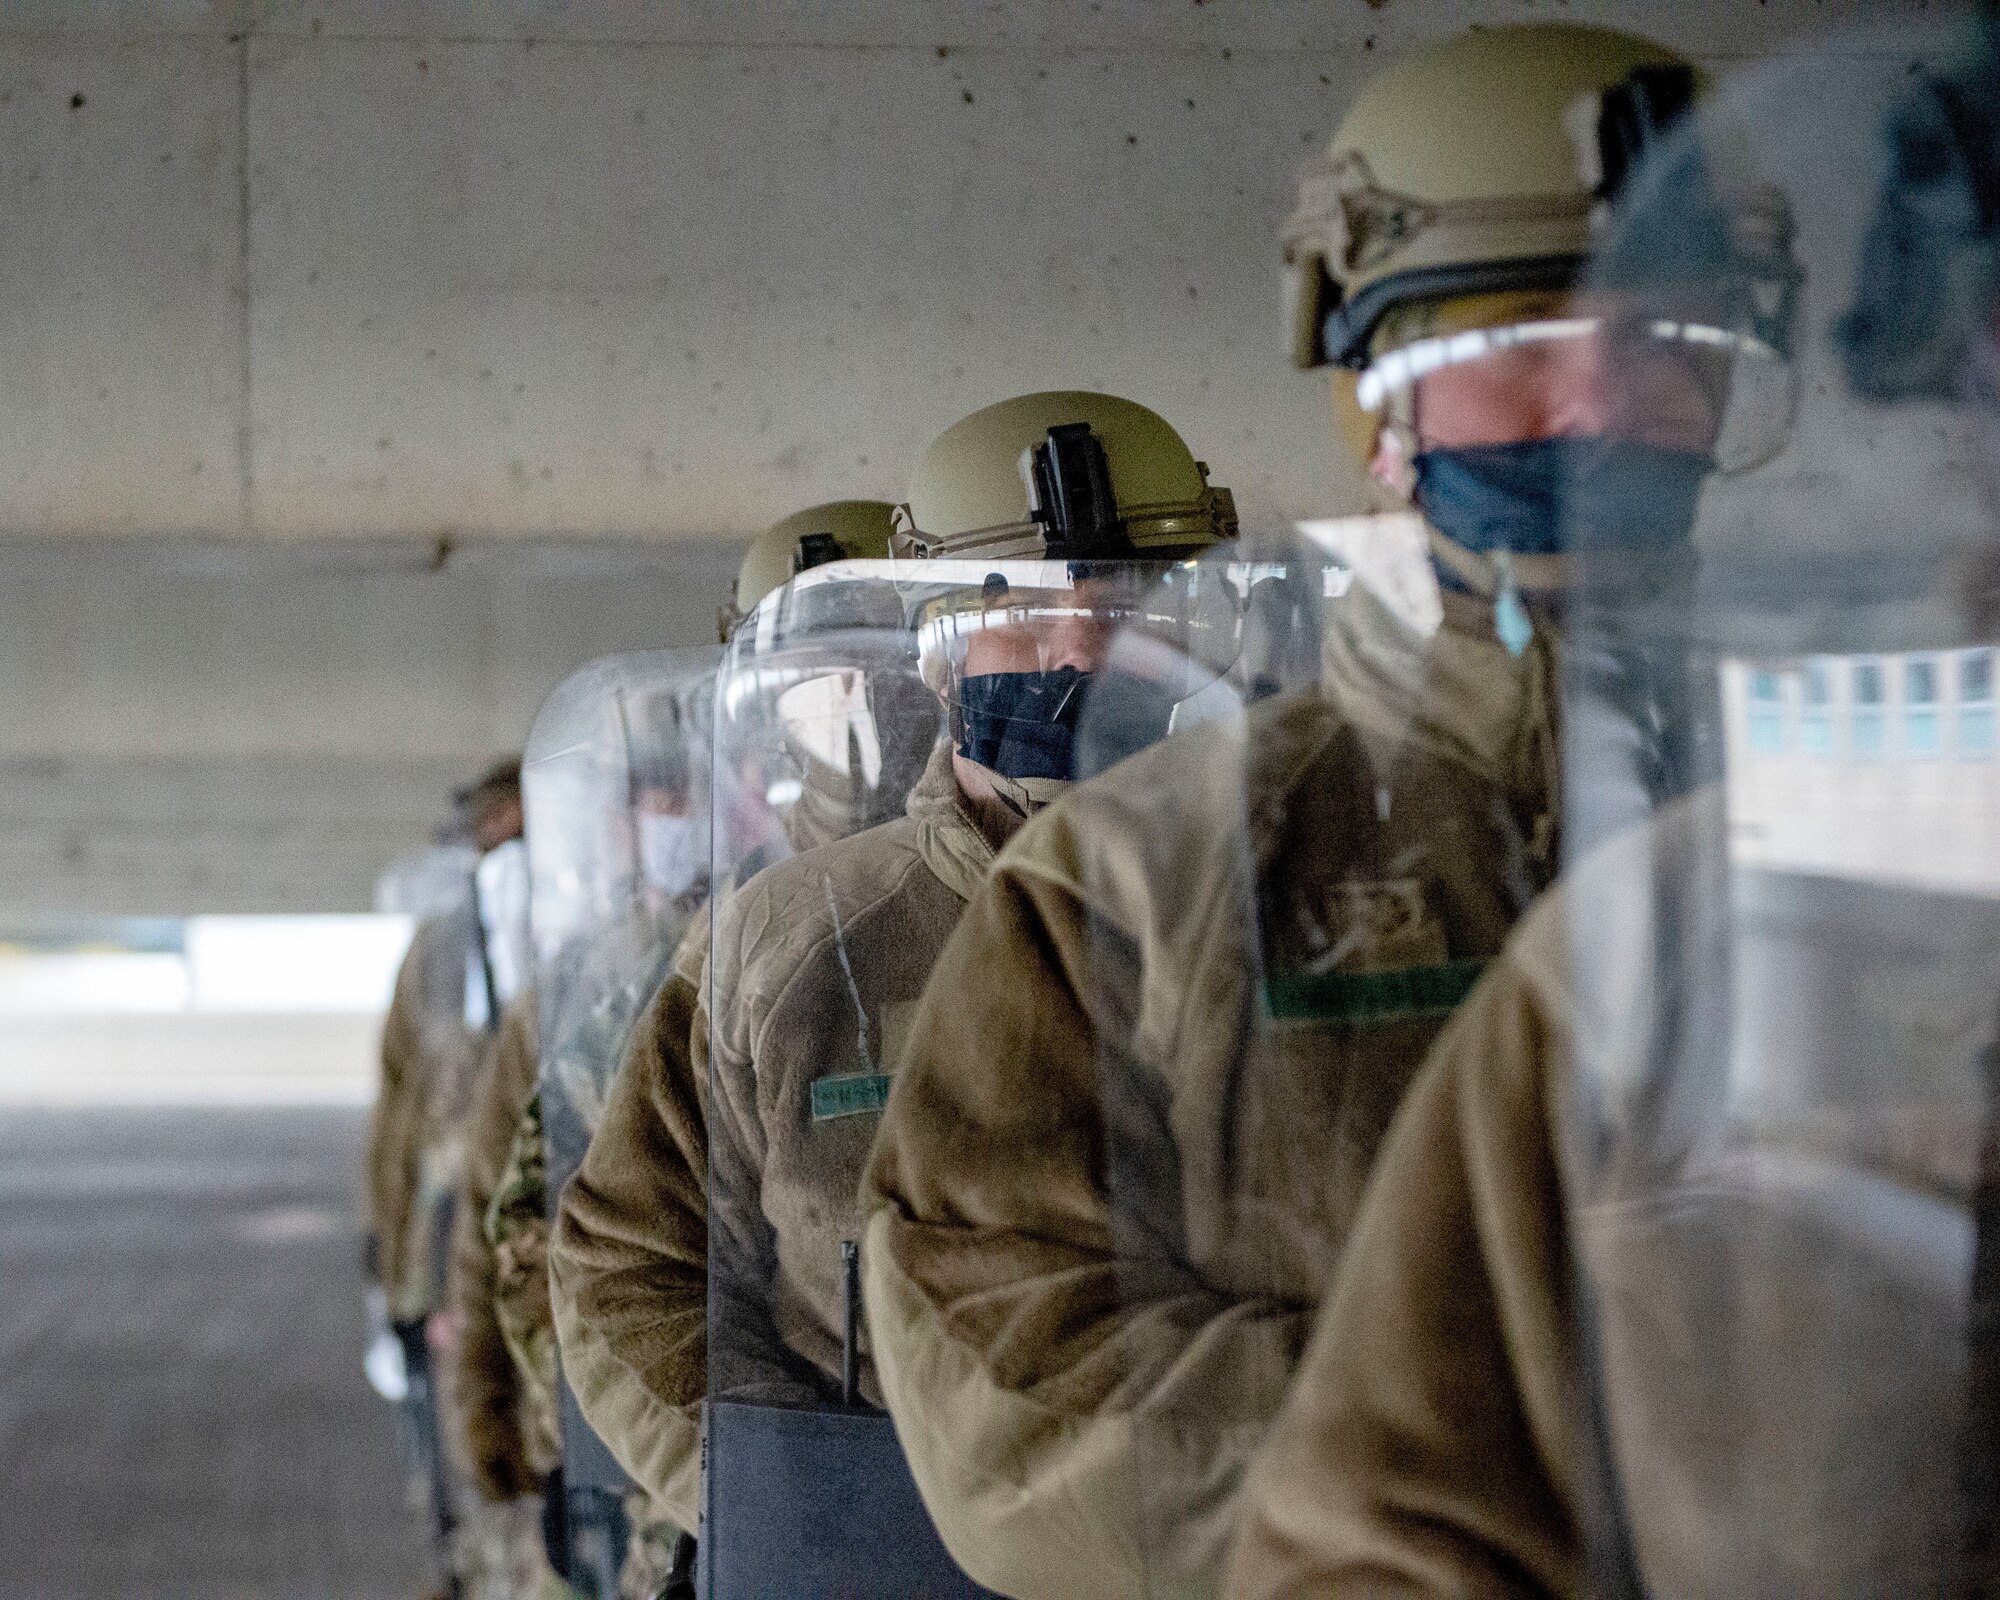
x,y
415,270
370,366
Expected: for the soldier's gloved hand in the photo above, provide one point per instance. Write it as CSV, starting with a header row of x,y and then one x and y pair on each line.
x,y
388,1374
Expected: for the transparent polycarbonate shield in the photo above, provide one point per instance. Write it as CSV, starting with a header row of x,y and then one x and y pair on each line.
x,y
426,882
615,793
1259,927
614,784
497,969
825,731
436,889
1771,1060
880,728
1627,394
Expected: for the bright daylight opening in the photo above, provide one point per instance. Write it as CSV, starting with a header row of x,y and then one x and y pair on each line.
x,y
214,1009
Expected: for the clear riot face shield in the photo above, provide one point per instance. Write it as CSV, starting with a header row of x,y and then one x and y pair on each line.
x,y
1782,883
426,882
880,728
436,886
1623,404
615,792
1280,906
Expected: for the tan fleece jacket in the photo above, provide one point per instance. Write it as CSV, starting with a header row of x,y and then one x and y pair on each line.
x,y
817,963
430,1061
487,1394
1606,1326
1147,1081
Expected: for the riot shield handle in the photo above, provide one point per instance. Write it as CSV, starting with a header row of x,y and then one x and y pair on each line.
x,y
850,1317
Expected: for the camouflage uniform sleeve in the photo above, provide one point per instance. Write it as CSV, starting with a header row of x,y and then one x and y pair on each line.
x,y
1430,1444
629,1258
487,1395
391,1161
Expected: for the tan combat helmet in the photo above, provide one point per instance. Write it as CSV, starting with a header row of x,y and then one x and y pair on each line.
x,y
840,530
1470,167
1062,475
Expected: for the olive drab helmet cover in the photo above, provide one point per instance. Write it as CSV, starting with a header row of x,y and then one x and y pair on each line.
x,y
1061,475
840,530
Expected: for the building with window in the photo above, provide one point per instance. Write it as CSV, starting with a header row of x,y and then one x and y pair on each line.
x,y
1876,767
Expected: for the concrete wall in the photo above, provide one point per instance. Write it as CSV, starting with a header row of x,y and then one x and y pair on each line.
x,y
300,294
196,727
188,1060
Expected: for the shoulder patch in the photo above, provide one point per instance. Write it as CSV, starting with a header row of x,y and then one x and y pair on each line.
x,y
1358,998
851,1094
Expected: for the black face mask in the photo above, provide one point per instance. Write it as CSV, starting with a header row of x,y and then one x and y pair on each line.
x,y
1543,497
1022,724
1032,724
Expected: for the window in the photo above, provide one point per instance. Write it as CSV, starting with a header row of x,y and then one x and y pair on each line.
x,y
1922,729
1816,720
1868,725
1767,713
1975,704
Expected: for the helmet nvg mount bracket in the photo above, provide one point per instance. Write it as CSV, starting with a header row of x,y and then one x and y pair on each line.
x,y
1061,475
1070,494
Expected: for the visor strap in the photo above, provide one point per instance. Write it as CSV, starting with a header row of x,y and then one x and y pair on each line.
x,y
1401,368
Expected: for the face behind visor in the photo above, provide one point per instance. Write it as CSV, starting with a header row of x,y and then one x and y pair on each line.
x,y
673,851
1526,411
1041,664
1103,496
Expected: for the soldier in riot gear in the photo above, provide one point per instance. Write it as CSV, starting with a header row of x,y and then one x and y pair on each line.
x,y
648,1132
1030,523
508,1439
616,835
1676,1274
1147,1081
432,1043
425,1049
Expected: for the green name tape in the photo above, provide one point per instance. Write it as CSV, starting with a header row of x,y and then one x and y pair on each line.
x,y
850,1095
1363,997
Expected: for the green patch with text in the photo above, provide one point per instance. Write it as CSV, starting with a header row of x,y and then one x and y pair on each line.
x,y
1357,998
851,1095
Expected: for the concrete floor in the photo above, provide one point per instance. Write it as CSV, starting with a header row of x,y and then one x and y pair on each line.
x,y
182,1410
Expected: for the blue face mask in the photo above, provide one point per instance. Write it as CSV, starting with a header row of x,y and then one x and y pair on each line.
x,y
1542,497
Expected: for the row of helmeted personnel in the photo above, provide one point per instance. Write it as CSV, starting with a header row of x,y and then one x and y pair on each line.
x,y
1090,1054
